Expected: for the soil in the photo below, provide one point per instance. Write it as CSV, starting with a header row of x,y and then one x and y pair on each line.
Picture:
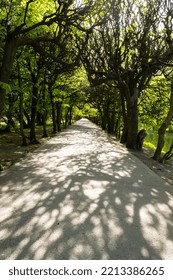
x,y
11,151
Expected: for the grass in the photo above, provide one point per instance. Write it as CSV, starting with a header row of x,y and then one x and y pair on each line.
x,y
151,141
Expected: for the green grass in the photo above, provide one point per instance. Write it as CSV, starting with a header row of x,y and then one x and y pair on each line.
x,y
151,140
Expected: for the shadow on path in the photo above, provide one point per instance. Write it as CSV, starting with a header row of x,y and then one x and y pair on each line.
x,y
81,196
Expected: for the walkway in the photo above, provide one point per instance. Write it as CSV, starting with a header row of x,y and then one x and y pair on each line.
x,y
82,196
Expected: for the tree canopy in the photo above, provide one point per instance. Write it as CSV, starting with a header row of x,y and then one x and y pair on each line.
x,y
112,57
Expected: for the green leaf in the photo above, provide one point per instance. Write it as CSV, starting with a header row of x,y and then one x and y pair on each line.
x,y
5,86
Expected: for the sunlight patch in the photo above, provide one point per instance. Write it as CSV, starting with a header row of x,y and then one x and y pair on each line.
x,y
118,201
92,207
153,226
82,251
40,245
40,253
4,232
43,219
80,219
20,248
164,208
124,173
56,234
93,189
66,210
41,210
55,213
145,253
5,213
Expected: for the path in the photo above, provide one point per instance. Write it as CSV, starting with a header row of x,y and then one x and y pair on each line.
x,y
81,196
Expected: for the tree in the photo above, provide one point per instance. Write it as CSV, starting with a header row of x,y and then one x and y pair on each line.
x,y
68,93
34,22
154,102
163,127
130,49
21,106
106,99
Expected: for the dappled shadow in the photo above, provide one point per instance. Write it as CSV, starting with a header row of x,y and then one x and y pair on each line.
x,y
82,197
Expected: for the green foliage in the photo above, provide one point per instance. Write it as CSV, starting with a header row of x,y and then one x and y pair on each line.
x,y
88,112
154,102
126,44
152,137
5,86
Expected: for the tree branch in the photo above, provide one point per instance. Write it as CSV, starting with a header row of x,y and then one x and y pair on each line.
x,y
35,44
26,10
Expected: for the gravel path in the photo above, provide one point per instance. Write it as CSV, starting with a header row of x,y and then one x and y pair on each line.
x,y
82,196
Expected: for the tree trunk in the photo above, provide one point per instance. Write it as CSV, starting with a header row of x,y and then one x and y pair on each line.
x,y
6,67
10,122
70,115
24,142
66,119
160,142
124,115
21,109
168,154
111,120
58,111
117,126
28,124
108,117
104,118
163,127
33,139
39,118
129,100
45,135
53,111
132,124
44,117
